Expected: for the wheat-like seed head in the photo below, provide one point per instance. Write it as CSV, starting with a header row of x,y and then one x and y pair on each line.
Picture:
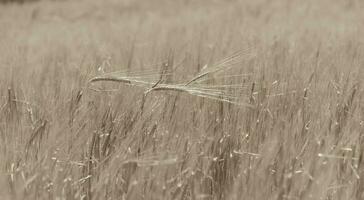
x,y
197,86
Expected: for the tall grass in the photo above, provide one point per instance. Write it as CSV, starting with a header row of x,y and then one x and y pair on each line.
x,y
138,100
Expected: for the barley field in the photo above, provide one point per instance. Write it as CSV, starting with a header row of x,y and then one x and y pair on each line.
x,y
183,99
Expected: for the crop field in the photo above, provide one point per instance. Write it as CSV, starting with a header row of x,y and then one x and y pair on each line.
x,y
183,99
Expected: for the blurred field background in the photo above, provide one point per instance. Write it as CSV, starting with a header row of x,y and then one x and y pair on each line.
x,y
62,137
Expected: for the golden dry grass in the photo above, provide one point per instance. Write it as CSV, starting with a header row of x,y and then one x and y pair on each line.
x,y
64,137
